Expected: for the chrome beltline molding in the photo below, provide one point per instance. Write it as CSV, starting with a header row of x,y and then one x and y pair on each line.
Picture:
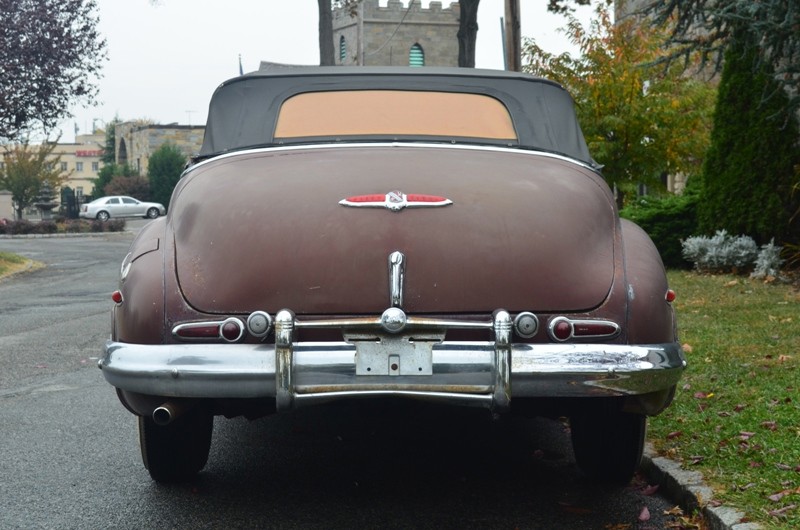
x,y
362,145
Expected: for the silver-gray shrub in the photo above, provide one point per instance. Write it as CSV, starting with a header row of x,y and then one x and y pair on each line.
x,y
768,262
721,252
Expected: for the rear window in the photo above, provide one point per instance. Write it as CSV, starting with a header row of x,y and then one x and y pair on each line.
x,y
394,112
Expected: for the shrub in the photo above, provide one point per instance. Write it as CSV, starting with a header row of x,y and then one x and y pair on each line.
x,y
668,221
115,225
768,263
721,253
20,227
74,226
46,227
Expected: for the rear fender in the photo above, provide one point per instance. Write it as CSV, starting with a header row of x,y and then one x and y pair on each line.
x,y
139,318
650,319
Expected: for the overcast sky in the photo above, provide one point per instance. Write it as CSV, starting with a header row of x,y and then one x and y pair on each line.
x,y
165,60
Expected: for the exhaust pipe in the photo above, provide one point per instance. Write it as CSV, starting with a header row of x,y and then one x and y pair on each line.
x,y
169,412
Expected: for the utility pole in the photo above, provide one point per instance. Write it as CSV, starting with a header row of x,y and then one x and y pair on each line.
x,y
512,43
360,31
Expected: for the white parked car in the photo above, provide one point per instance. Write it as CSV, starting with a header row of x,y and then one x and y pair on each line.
x,y
119,206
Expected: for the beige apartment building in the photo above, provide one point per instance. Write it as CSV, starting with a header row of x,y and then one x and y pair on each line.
x,y
80,161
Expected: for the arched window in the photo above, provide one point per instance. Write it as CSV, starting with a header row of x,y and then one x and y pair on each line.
x,y
416,57
342,49
122,153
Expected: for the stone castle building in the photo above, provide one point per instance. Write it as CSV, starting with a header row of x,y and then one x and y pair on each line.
x,y
135,142
397,34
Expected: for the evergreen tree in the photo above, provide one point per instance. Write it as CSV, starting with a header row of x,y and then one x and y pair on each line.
x,y
165,166
749,170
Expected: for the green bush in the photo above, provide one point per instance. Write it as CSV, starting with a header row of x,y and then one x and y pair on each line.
x,y
667,220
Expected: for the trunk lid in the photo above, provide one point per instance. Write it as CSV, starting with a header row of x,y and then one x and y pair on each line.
x,y
265,231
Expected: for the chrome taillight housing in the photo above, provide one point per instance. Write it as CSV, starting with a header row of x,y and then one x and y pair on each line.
x,y
562,329
228,330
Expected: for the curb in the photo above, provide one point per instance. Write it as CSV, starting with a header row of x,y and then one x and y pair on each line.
x,y
61,235
687,489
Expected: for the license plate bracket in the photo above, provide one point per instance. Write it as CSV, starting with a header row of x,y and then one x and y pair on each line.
x,y
394,355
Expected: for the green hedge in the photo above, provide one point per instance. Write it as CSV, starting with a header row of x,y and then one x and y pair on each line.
x,y
667,220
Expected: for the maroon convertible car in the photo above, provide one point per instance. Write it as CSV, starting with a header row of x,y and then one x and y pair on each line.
x,y
371,233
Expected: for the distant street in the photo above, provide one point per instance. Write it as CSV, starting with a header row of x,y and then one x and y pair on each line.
x,y
70,456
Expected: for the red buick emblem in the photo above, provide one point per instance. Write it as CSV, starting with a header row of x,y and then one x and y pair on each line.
x,y
395,201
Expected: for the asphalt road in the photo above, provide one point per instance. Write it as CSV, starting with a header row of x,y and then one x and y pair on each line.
x,y
69,455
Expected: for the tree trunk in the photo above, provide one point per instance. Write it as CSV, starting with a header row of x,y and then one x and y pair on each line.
x,y
325,33
467,32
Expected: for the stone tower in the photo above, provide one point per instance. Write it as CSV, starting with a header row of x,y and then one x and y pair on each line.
x,y
397,34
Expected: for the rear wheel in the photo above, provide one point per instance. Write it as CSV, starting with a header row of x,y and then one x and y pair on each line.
x,y
152,213
178,451
102,216
608,442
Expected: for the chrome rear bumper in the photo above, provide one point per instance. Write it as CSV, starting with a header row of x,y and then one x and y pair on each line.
x,y
479,373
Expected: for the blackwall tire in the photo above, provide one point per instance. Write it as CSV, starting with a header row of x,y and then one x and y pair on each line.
x,y
608,442
152,213
178,451
102,216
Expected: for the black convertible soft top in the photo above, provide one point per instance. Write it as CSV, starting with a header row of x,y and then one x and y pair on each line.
x,y
243,111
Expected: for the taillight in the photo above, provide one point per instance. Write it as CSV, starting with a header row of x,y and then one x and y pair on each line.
x,y
670,296
230,330
116,296
563,328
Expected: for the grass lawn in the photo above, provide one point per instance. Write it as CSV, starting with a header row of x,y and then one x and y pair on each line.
x,y
736,415
11,263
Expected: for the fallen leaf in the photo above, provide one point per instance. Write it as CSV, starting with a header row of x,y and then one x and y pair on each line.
x,y
782,511
687,348
775,497
739,408
674,434
732,283
675,510
694,460
771,425
745,435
